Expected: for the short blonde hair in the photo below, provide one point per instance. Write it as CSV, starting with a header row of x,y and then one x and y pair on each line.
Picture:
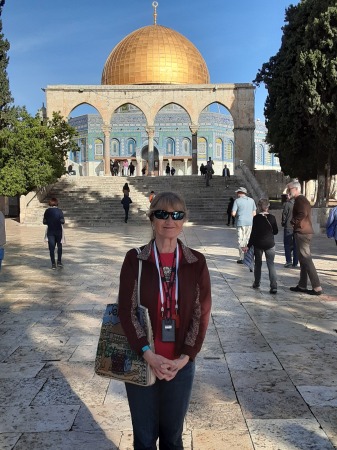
x,y
165,200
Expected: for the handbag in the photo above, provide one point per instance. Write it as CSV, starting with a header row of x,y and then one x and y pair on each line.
x,y
114,356
248,259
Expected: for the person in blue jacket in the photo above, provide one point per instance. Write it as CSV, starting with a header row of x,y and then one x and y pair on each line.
x,y
331,225
54,219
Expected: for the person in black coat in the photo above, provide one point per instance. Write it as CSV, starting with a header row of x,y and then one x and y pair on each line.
x,y
262,237
54,219
229,212
126,202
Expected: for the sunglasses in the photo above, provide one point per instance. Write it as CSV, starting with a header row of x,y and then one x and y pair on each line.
x,y
164,215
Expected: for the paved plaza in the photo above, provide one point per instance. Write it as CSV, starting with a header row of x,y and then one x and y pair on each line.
x,y
266,377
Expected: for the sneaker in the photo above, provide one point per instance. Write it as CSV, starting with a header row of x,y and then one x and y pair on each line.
x,y
287,265
53,266
273,291
60,265
239,261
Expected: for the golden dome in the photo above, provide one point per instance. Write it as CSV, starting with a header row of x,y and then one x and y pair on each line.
x,y
155,55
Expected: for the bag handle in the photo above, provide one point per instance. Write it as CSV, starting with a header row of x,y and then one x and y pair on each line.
x,y
139,276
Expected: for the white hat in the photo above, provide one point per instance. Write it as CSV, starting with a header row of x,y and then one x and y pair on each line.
x,y
242,189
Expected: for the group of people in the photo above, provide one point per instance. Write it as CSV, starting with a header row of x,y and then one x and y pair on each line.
x,y
124,166
258,230
170,170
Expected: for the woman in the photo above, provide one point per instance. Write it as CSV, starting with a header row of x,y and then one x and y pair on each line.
x,y
126,189
175,287
53,218
262,237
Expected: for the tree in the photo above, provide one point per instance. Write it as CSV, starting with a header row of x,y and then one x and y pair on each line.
x,y
6,110
301,79
32,154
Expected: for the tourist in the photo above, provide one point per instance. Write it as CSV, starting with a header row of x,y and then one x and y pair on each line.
x,y
229,212
289,243
151,196
262,238
126,189
126,202
54,219
304,232
131,169
331,225
173,171
116,167
244,209
125,168
168,169
177,278
226,174
2,237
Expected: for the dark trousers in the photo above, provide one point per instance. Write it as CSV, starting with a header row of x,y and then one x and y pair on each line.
x,y
52,242
126,211
229,216
308,268
270,256
290,247
158,411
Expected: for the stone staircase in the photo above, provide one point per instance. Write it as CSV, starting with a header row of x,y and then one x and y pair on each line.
x,y
96,201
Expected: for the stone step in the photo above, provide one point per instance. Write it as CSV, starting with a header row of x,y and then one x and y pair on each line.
x,y
95,201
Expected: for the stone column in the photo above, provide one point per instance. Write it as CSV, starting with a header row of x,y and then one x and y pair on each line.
x,y
185,168
244,147
106,130
194,131
161,166
150,133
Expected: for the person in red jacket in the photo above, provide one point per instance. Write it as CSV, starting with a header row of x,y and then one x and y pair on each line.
x,y
303,231
175,287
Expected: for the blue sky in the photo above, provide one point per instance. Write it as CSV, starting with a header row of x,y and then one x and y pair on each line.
x,y
68,41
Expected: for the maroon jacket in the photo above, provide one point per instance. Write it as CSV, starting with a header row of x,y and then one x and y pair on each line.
x,y
301,219
194,298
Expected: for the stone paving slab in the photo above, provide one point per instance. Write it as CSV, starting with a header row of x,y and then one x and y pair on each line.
x,y
265,379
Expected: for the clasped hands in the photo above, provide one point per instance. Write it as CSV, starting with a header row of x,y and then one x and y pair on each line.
x,y
165,369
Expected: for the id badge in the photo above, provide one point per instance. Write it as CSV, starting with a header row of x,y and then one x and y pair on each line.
x,y
168,330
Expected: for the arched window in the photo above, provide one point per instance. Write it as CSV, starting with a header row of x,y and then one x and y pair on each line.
x,y
186,146
229,151
98,149
131,146
169,146
218,148
202,148
114,148
259,154
276,161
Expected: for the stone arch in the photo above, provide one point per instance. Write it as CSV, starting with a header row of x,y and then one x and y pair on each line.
x,y
237,98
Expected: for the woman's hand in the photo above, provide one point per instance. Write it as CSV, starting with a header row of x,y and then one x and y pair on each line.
x,y
165,369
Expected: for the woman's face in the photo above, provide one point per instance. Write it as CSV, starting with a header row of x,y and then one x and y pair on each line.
x,y
168,228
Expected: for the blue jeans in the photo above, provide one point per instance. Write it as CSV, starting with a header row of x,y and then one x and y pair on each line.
x,y
270,256
52,242
158,411
2,255
290,247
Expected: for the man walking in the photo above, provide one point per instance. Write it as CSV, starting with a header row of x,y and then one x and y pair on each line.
x,y
290,249
226,174
303,231
244,209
